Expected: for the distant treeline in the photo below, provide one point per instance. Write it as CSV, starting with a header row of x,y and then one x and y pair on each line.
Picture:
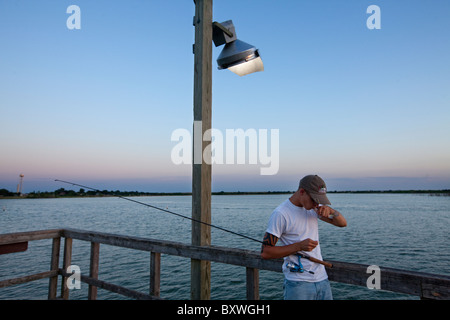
x,y
431,192
63,193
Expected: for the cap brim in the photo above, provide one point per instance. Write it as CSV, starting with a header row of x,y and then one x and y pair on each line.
x,y
320,198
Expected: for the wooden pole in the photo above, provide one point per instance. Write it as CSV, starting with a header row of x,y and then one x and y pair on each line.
x,y
93,269
201,170
67,261
252,283
155,274
54,265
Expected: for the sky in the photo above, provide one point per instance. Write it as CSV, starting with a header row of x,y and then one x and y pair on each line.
x,y
364,108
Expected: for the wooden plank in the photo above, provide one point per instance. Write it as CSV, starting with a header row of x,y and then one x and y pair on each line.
x,y
435,290
25,279
29,236
13,247
395,280
117,289
233,256
93,269
113,288
155,274
54,266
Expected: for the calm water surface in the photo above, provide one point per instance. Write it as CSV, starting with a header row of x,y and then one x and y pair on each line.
x,y
405,231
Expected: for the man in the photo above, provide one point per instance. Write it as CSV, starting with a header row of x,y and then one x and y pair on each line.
x,y
295,223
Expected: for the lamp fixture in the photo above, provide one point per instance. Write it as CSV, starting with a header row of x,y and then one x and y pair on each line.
x,y
237,56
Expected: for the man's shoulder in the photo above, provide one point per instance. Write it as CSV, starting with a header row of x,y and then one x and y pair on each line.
x,y
287,207
282,208
286,211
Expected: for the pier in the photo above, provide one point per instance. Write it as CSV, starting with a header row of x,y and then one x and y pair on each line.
x,y
423,285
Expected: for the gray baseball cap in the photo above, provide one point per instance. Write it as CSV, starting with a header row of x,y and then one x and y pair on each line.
x,y
316,188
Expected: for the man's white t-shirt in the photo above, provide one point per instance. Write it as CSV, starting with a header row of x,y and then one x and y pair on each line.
x,y
291,224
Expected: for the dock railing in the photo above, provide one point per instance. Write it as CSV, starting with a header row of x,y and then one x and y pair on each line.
x,y
424,285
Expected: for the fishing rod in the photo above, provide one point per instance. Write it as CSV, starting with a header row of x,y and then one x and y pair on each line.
x,y
164,210
303,255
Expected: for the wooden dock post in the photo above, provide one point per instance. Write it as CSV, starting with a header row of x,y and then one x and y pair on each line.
x,y
155,274
67,261
93,269
252,275
54,265
201,167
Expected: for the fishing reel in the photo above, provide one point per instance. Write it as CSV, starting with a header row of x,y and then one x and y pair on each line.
x,y
293,267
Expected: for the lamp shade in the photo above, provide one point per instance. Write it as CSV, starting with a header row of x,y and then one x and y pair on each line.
x,y
240,57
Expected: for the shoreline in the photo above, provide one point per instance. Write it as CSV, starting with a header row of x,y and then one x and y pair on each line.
x,y
105,193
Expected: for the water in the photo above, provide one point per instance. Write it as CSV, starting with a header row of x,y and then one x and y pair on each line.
x,y
405,231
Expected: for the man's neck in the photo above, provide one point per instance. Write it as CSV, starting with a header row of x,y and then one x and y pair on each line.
x,y
294,199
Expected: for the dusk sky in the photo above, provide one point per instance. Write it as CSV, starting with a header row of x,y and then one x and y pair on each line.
x,y
366,109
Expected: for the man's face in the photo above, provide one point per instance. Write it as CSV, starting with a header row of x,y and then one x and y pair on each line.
x,y
309,203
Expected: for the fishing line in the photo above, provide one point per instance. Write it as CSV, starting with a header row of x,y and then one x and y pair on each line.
x,y
303,255
165,210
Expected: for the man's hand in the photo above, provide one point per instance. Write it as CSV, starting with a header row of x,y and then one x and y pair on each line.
x,y
270,251
330,215
325,211
307,245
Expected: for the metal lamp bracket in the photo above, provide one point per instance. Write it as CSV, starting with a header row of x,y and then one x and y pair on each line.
x,y
223,32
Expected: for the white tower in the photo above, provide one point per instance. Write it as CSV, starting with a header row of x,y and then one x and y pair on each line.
x,y
19,186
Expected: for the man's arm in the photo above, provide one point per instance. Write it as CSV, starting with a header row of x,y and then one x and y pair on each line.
x,y
270,251
337,219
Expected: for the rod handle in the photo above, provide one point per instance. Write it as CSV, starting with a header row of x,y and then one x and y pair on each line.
x,y
326,264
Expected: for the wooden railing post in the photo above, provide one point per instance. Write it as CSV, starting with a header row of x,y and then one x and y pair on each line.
x,y
93,269
252,283
155,274
54,265
66,263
